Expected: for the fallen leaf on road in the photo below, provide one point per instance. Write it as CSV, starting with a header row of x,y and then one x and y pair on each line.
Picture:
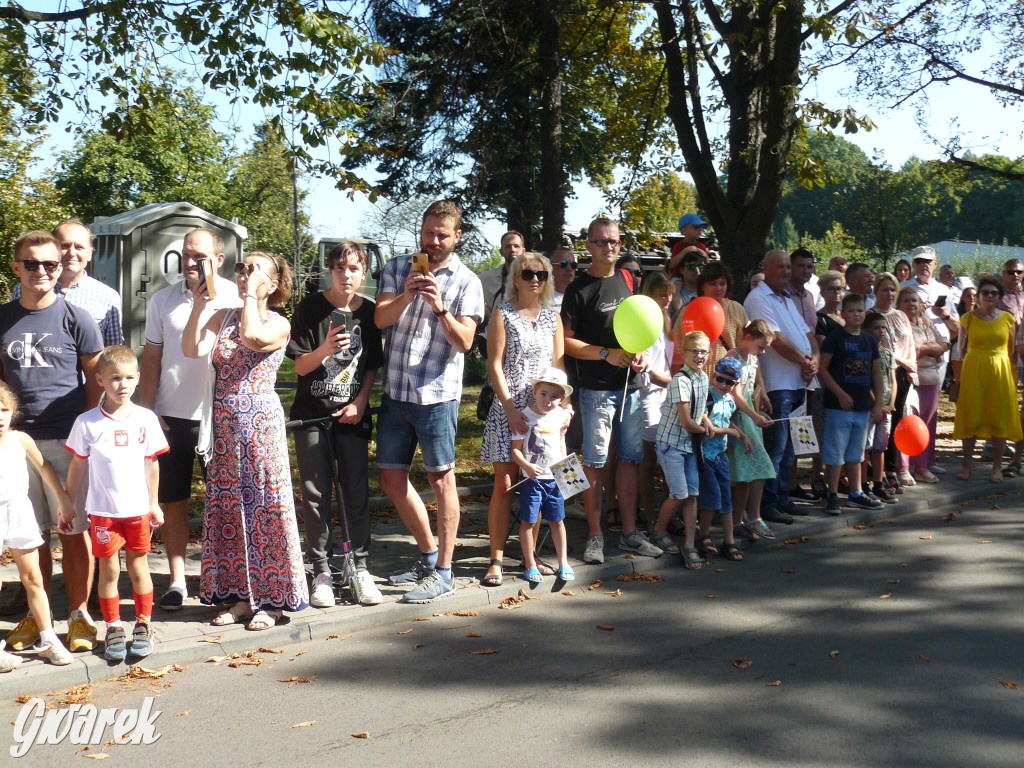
x,y
363,735
186,713
1009,684
985,541
218,659
304,725
569,593
596,584
333,637
742,663
892,581
80,750
616,593
301,653
721,570
510,602
405,632
273,650
886,596
216,639
474,634
630,557
649,578
925,538
294,679
996,506
485,652
922,657
951,517
525,596
788,570
606,627
98,756
422,618
859,527
774,683
710,597
464,613
833,654
418,645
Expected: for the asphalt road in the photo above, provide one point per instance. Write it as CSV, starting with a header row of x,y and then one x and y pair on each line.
x,y
887,646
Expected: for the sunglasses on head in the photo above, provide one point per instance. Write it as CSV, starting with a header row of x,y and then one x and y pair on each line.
x,y
725,380
529,274
31,265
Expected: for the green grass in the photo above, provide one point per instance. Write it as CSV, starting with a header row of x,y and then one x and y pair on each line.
x,y
468,468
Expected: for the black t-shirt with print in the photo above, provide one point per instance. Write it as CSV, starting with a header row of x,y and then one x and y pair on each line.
x,y
587,309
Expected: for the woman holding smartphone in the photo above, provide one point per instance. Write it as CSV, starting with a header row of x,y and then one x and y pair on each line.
x,y
337,350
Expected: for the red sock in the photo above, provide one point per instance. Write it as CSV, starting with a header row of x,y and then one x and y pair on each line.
x,y
110,607
143,605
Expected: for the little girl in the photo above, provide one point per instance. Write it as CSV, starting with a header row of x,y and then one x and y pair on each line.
x,y
659,286
19,530
749,470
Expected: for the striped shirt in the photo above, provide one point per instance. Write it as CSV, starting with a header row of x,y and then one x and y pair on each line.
x,y
671,431
422,366
98,299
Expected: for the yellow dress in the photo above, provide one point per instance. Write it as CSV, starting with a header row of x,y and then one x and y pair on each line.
x,y
987,406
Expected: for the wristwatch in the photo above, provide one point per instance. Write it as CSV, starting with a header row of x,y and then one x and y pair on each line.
x,y
442,313
604,353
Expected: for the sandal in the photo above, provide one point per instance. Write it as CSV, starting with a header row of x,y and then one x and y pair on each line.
x,y
760,527
493,579
1012,470
692,559
705,546
731,552
614,519
746,530
533,576
664,542
236,614
265,619
676,527
566,573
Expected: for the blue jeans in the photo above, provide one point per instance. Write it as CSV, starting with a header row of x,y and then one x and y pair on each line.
x,y
779,446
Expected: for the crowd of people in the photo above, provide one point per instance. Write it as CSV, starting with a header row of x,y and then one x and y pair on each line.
x,y
854,351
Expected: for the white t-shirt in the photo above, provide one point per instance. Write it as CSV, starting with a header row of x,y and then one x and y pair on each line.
x,y
183,380
117,450
542,442
782,317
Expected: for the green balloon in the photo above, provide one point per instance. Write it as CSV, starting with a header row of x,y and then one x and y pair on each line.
x,y
638,322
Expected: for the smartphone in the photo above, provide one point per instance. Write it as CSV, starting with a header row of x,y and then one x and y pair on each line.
x,y
940,302
341,319
209,273
421,263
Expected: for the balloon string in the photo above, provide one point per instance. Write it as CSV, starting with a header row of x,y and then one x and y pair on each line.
x,y
622,407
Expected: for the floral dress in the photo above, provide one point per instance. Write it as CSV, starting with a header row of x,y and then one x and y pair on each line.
x,y
251,551
529,347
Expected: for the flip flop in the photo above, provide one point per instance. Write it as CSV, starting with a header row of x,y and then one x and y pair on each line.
x,y
565,573
533,576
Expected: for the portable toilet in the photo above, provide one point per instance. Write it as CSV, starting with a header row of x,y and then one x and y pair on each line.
x,y
138,252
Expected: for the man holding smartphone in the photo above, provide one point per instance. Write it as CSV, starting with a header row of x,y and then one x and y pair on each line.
x,y
173,385
430,321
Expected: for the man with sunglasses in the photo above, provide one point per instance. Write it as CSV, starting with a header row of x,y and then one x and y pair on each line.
x,y
587,311
685,268
49,350
934,296
563,262
172,386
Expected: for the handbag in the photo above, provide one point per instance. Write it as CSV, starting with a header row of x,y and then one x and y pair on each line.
x,y
954,390
483,404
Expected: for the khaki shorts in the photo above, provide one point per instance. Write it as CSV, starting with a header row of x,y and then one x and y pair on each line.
x,y
41,497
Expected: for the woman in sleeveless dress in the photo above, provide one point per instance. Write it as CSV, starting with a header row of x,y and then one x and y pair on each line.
x,y
252,560
524,337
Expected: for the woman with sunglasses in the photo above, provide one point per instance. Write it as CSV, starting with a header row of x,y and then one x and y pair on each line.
x,y
987,406
252,559
525,337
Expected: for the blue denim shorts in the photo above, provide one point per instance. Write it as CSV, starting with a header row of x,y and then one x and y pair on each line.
x,y
599,409
845,435
401,426
680,470
715,493
543,497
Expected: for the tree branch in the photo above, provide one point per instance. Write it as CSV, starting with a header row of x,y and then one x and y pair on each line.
x,y
16,12
828,15
999,173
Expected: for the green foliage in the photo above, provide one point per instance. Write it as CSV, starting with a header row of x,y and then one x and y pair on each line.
x,y
657,204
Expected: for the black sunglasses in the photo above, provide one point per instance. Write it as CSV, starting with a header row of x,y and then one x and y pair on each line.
x,y
564,263
529,274
725,380
31,265
244,269
990,293
1014,271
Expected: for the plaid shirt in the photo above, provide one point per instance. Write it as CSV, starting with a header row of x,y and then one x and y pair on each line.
x,y
671,431
98,299
422,367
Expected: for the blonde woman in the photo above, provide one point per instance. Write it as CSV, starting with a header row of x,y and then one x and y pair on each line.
x,y
524,337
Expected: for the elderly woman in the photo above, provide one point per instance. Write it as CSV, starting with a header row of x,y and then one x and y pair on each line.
x,y
930,348
987,406
904,352
524,338
252,559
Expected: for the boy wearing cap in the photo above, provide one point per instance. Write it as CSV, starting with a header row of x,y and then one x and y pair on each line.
x,y
715,494
535,450
691,227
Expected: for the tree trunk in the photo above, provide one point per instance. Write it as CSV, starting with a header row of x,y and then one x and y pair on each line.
x,y
552,169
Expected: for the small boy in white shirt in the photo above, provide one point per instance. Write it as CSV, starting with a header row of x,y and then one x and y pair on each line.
x,y
534,451
117,443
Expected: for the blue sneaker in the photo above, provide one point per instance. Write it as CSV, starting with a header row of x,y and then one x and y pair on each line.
x,y
415,574
430,588
142,640
115,648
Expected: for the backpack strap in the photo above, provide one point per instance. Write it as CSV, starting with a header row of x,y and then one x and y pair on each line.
x,y
628,277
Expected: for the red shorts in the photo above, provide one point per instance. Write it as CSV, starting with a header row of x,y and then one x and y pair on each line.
x,y
111,534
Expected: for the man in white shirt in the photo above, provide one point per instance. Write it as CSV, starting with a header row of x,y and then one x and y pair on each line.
x,y
788,367
494,281
934,295
799,288
173,386
860,279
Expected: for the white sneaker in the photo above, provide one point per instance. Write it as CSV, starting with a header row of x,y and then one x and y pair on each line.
x,y
57,654
322,595
594,551
9,661
366,589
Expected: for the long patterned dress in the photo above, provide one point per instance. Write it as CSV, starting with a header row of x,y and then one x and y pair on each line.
x,y
529,347
251,550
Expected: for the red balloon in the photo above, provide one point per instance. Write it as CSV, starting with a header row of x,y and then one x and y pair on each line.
x,y
912,435
704,314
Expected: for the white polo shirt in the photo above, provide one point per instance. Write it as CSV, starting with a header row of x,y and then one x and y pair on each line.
x,y
782,317
183,380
